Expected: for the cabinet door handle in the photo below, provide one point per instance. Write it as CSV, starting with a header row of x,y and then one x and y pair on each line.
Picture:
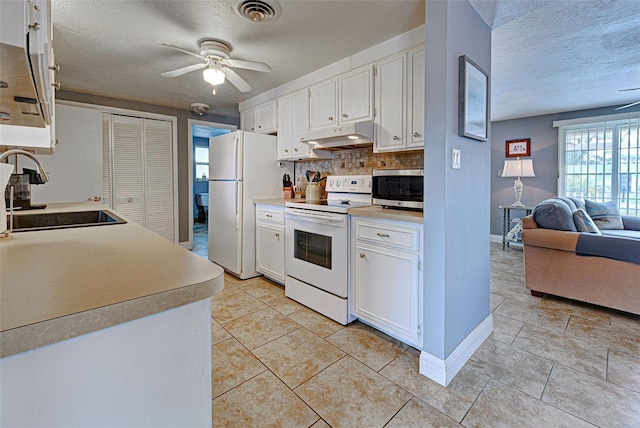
x,y
55,67
268,215
416,134
278,235
362,256
330,118
259,126
382,235
286,150
395,138
56,85
253,129
345,115
129,200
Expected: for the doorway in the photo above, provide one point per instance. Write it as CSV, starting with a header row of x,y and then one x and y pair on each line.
x,y
199,133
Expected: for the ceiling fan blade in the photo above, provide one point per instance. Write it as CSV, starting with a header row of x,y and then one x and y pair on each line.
x,y
249,65
184,70
628,105
197,55
236,80
629,89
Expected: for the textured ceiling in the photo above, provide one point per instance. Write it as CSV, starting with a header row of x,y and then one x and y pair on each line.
x,y
548,56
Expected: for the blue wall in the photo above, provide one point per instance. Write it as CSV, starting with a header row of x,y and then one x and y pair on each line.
x,y
544,152
456,214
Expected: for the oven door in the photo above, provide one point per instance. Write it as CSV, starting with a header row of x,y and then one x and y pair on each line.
x,y
317,249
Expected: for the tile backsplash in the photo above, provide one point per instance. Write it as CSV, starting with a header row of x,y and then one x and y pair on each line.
x,y
361,161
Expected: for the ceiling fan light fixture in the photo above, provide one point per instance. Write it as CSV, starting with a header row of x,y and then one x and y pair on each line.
x,y
213,76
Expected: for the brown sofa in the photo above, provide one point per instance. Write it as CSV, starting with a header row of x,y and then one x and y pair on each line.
x,y
552,266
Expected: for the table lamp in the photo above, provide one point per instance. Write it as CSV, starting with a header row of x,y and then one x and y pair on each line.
x,y
518,168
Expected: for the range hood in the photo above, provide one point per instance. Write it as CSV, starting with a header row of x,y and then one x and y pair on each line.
x,y
352,136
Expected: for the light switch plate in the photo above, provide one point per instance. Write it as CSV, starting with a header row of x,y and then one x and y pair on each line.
x,y
455,158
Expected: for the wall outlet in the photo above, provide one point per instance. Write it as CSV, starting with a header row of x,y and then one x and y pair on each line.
x,y
499,172
455,158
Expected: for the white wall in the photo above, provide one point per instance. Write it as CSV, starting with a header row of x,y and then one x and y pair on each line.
x,y
151,372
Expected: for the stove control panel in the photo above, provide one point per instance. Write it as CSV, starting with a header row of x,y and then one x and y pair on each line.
x,y
349,183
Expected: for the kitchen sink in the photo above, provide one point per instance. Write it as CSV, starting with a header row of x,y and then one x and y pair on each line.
x,y
63,220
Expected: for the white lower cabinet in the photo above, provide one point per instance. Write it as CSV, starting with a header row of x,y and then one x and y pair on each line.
x,y
270,248
386,277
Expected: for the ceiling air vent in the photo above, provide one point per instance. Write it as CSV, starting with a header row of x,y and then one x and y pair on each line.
x,y
257,10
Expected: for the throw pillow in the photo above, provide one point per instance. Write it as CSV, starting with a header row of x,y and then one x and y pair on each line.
x,y
604,214
579,202
554,214
584,223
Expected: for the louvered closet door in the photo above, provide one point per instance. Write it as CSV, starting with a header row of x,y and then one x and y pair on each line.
x,y
106,159
158,151
128,167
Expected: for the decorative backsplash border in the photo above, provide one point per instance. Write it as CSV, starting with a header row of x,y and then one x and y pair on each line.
x,y
361,161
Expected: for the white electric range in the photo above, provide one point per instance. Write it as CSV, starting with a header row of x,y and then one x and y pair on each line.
x,y
317,246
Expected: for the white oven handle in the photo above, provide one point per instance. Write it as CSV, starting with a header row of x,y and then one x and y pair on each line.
x,y
314,216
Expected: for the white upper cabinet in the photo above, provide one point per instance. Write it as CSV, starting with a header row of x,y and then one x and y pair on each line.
x,y
390,104
356,96
323,104
415,115
400,102
293,121
261,119
342,100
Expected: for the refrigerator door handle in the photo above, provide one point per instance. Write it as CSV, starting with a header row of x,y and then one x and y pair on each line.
x,y
237,160
236,205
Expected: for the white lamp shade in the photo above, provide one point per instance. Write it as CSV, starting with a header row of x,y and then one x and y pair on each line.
x,y
518,168
213,76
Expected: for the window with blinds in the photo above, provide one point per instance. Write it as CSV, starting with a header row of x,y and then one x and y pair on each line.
x,y
601,161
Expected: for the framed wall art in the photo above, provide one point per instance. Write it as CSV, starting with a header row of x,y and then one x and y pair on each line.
x,y
473,100
517,148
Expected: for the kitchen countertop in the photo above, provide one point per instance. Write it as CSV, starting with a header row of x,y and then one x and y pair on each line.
x,y
59,284
279,202
388,214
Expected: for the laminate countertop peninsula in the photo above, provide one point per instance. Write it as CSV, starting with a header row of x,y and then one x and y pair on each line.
x,y
59,284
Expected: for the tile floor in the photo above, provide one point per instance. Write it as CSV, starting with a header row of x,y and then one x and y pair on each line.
x,y
200,239
549,363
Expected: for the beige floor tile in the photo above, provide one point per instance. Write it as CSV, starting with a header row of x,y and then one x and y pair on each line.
x,y
576,309
594,400
316,323
320,424
349,394
505,329
613,336
625,321
514,292
281,303
495,301
369,346
417,414
260,327
501,405
453,400
533,314
518,369
263,401
218,333
233,303
624,370
297,356
231,365
260,287
571,352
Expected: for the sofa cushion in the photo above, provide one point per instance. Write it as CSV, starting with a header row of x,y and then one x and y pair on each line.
x,y
635,234
631,222
604,214
579,202
584,223
612,247
554,214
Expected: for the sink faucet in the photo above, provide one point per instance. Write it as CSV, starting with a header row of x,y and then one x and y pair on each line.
x,y
43,176
43,173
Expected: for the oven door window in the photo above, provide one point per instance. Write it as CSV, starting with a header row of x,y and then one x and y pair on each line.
x,y
312,248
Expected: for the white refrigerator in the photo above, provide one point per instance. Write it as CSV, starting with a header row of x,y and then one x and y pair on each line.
x,y
242,167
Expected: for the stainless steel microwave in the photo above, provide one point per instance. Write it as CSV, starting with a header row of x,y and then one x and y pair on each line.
x,y
398,188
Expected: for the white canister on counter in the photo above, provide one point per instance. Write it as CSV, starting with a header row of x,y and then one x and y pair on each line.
x,y
313,191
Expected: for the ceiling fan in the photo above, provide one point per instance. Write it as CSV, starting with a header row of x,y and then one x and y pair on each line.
x,y
217,65
631,104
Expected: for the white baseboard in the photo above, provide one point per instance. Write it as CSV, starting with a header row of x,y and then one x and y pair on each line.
x,y
443,371
495,238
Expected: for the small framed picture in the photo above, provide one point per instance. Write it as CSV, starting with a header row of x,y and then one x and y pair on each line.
x,y
517,148
473,100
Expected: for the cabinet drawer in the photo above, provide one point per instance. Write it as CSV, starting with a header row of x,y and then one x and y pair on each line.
x,y
264,215
396,236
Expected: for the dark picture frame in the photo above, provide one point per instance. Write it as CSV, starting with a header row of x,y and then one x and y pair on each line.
x,y
473,100
518,148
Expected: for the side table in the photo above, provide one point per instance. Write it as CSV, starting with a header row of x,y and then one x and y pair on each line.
x,y
506,220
